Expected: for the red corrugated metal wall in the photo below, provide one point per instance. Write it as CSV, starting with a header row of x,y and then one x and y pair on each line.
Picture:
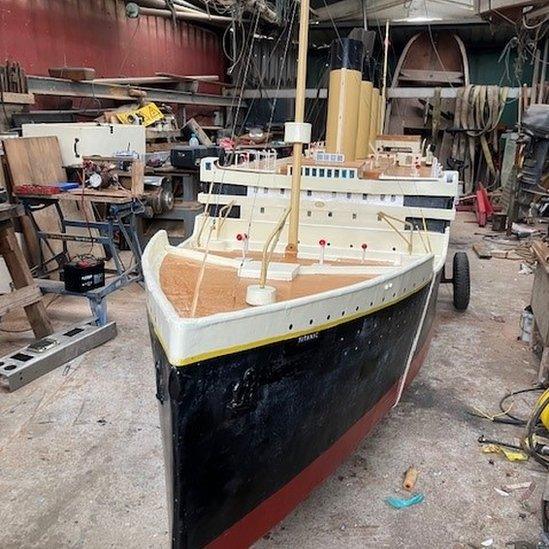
x,y
96,33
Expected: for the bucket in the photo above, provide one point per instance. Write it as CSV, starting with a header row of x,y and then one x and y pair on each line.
x,y
526,324
499,222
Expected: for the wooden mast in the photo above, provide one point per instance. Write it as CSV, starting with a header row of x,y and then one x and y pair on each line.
x,y
383,106
291,248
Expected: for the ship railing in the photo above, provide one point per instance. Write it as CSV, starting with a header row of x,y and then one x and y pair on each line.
x,y
260,160
382,216
270,246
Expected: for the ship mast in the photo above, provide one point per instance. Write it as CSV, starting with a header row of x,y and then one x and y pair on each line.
x,y
298,128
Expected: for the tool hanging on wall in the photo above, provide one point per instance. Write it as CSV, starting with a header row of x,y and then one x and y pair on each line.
x,y
477,116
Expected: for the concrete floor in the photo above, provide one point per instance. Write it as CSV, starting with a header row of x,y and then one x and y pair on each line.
x,y
81,458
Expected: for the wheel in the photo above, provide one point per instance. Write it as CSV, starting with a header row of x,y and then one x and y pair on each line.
x,y
461,281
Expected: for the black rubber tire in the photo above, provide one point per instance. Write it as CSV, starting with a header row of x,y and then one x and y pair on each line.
x,y
461,281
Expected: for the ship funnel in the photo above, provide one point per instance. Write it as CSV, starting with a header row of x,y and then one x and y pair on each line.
x,y
344,96
362,146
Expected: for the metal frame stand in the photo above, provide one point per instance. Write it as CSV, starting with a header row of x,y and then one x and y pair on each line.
x,y
120,218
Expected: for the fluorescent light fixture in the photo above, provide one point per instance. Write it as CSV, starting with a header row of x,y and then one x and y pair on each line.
x,y
418,19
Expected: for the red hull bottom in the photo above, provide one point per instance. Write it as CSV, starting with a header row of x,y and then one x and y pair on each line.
x,y
271,511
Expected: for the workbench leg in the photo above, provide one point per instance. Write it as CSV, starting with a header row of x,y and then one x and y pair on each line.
x,y
99,310
21,277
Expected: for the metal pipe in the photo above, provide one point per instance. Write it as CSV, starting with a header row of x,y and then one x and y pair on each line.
x,y
186,15
161,4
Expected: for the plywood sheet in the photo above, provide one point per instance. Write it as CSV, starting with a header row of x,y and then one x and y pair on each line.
x,y
34,161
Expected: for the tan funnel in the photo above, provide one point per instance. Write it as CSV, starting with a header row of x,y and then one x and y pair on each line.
x,y
344,97
362,146
374,120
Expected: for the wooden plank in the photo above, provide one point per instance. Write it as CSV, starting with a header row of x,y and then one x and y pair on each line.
x,y
72,73
199,132
9,211
482,250
21,277
438,77
19,299
137,80
34,161
539,302
206,79
17,98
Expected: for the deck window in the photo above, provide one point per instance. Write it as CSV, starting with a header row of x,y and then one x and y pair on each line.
x,y
309,192
344,173
307,171
321,172
336,173
328,173
208,166
314,172
351,174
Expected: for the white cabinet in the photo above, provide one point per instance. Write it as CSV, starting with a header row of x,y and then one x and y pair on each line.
x,y
88,138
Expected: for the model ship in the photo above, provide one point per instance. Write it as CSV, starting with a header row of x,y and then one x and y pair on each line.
x,y
295,315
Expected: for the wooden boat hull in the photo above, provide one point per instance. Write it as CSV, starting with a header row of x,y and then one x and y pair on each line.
x,y
248,435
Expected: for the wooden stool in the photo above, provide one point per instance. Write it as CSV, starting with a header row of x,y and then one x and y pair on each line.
x,y
26,294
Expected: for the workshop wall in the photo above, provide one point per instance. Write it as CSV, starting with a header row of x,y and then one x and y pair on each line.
x,y
96,33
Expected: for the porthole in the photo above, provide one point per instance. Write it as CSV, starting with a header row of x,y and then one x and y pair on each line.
x,y
371,303
342,313
310,321
262,210
328,317
308,213
356,308
290,327
351,246
394,249
330,214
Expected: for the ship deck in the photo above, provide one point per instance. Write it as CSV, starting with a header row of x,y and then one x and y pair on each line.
x,y
223,290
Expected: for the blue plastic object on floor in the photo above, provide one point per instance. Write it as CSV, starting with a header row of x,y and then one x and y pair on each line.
x,y
402,503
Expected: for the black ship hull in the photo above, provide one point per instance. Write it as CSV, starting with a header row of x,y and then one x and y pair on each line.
x,y
248,435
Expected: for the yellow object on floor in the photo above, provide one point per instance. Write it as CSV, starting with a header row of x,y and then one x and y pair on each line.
x,y
509,453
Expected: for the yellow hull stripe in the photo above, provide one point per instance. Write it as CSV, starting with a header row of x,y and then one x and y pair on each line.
x,y
284,337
